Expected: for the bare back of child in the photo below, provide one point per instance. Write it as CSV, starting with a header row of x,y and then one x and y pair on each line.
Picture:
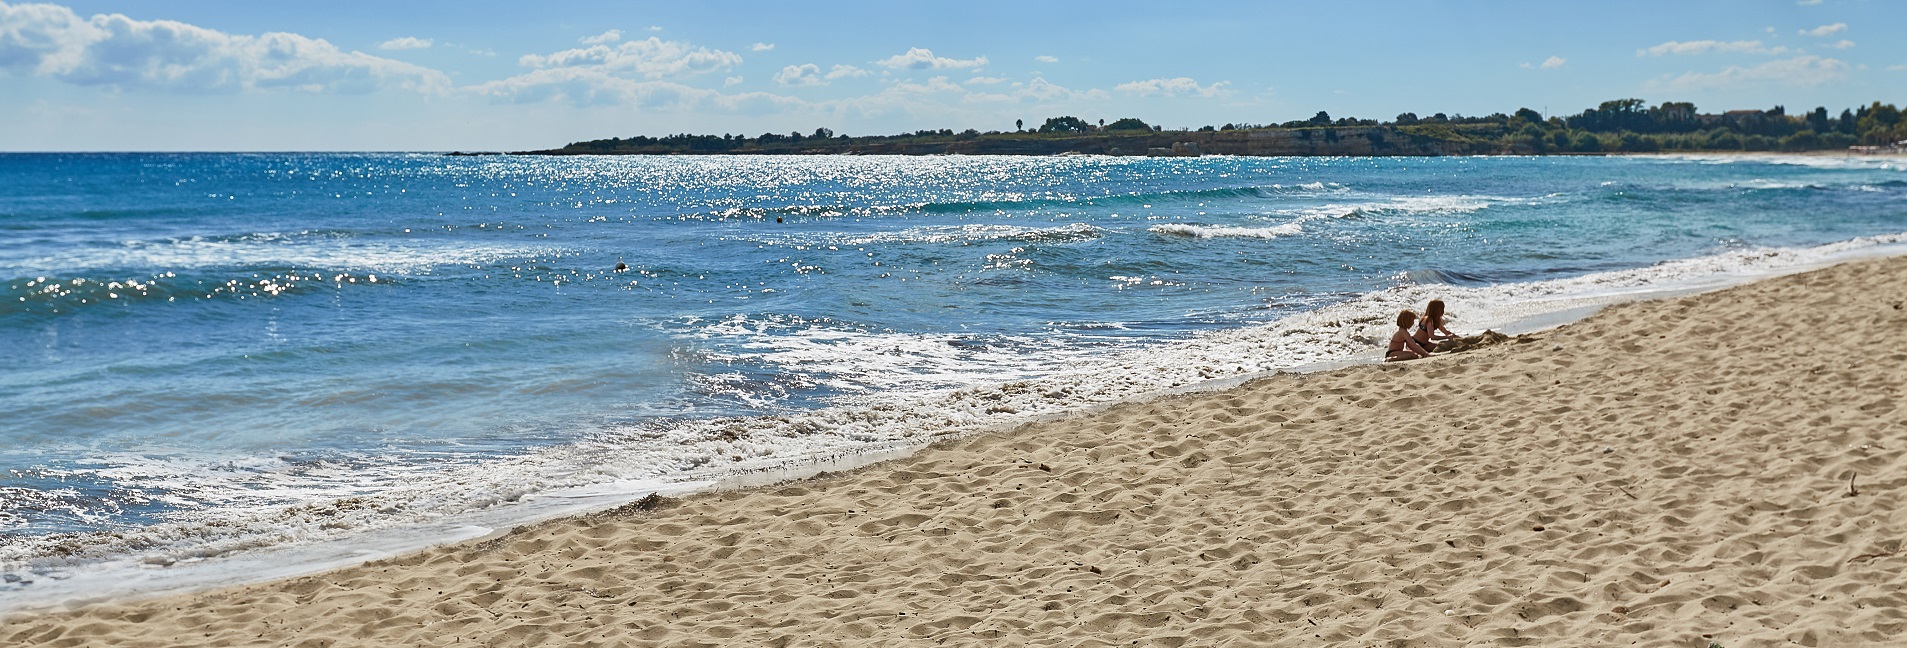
x,y
1403,346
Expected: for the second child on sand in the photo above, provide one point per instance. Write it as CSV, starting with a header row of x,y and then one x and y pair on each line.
x,y
1403,346
1430,328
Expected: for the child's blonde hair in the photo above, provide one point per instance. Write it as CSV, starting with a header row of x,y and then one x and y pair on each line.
x,y
1405,318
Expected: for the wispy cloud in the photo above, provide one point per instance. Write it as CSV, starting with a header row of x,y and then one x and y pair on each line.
x,y
1046,58
652,58
1807,3
1825,30
1710,46
810,74
807,74
934,85
610,36
1550,63
1800,71
1179,86
117,51
1040,91
583,86
846,72
405,43
1840,45
761,47
920,58
642,73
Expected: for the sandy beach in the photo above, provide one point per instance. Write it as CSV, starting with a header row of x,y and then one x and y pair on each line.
x,y
1725,467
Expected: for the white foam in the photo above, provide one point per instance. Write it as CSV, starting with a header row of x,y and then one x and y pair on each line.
x,y
1298,217
965,233
1221,231
1861,162
326,252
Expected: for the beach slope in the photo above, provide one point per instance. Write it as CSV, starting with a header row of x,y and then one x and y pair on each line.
x,y
1724,467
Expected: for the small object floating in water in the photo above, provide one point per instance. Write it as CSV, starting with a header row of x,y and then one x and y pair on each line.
x,y
620,266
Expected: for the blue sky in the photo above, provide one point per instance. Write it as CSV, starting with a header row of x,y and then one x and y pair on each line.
x,y
440,75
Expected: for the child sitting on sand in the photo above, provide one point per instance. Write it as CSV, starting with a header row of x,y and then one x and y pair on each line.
x,y
1430,329
1403,346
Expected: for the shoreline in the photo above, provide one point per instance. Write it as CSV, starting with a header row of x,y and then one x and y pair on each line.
x,y
1082,464
149,580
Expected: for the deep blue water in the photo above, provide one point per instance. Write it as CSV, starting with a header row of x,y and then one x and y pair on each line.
x,y
194,337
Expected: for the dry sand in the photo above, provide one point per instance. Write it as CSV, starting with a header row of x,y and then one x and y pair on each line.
x,y
1667,473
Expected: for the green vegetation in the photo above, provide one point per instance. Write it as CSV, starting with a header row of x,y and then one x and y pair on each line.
x,y
1067,124
1623,125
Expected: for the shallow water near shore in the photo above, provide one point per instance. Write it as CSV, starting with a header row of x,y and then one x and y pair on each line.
x,y
210,355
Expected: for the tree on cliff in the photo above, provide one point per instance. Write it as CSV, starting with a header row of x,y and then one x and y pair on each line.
x,y
1067,124
1129,123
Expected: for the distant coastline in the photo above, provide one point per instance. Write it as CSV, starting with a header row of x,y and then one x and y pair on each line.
x,y
1620,126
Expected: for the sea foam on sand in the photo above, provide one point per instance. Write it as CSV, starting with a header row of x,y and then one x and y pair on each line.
x,y
1722,467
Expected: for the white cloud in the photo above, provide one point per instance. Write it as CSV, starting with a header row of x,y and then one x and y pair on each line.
x,y
1898,68
1825,30
405,43
1046,58
761,47
1807,3
1553,62
1800,71
1174,87
731,82
846,72
919,58
118,51
807,74
655,28
1842,44
1707,46
610,36
981,80
653,58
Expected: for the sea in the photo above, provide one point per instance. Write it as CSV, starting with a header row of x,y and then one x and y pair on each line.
x,y
221,367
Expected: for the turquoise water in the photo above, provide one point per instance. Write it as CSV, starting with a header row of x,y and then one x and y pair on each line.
x,y
203,354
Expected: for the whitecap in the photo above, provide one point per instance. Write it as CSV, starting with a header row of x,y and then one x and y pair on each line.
x,y
1222,231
